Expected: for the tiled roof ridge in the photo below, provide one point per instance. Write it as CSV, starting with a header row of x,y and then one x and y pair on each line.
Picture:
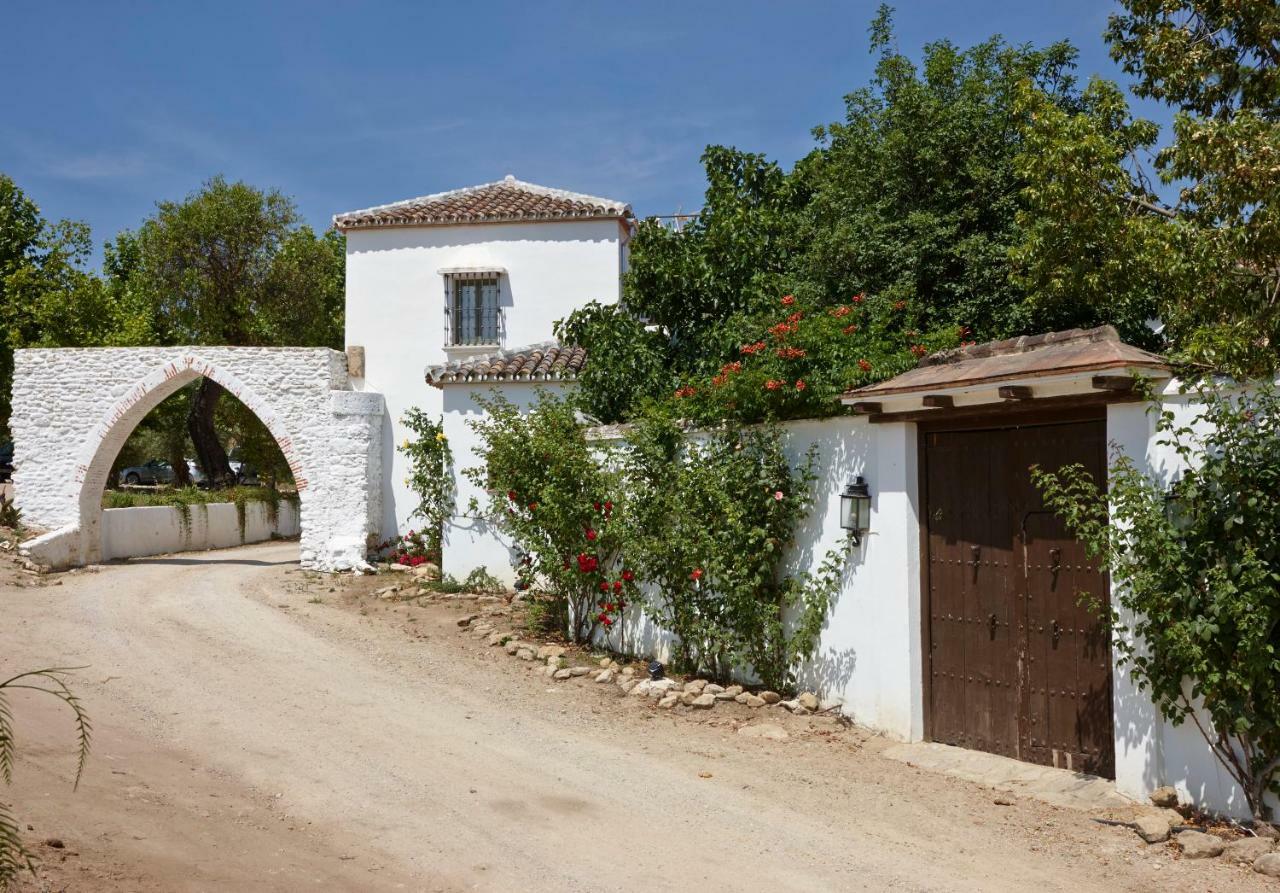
x,y
1020,344
544,361
599,206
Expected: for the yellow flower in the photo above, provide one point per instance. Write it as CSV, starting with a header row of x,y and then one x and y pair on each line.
x,y
440,437
405,445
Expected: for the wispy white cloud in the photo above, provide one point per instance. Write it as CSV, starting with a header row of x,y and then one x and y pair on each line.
x,y
95,166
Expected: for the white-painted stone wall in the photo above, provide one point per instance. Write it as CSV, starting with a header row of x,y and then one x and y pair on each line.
x,y
1150,750
470,541
395,306
869,655
161,529
73,409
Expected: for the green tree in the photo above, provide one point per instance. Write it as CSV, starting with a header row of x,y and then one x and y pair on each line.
x,y
916,192
47,297
1210,263
914,202
232,264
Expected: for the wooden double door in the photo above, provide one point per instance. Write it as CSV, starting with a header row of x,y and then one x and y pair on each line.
x,y
1016,664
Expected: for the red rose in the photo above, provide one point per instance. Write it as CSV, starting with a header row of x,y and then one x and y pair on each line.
x,y
591,535
858,299
608,606
533,506
607,621
604,586
608,506
597,506
511,494
617,585
628,575
697,574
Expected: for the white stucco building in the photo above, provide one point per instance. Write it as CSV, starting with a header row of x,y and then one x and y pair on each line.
x,y
462,274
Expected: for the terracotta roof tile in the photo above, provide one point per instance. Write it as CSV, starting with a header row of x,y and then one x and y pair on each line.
x,y
538,362
504,201
1030,356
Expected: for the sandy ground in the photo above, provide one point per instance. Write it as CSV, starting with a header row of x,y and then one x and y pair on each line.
x,y
259,728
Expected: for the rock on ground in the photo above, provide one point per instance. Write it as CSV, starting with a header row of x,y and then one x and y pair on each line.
x,y
769,730
1164,796
1268,865
1198,845
1152,828
808,700
703,701
1248,850
695,685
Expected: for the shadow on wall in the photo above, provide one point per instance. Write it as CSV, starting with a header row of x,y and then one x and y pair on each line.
x,y
841,457
412,238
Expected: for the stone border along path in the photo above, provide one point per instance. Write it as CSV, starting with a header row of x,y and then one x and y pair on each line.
x,y
1158,824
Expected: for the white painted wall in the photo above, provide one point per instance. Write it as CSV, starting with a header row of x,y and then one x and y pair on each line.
x,y
395,305
159,530
869,654
470,541
1151,751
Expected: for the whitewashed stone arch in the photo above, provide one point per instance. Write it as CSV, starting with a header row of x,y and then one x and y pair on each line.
x,y
74,408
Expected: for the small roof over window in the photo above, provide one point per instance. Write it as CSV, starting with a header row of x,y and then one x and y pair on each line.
x,y
504,201
538,362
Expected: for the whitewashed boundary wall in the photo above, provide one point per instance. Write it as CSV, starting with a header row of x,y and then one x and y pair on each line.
x,y
73,409
470,541
1150,750
869,657
161,529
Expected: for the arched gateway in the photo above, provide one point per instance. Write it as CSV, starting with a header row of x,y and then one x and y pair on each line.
x,y
73,409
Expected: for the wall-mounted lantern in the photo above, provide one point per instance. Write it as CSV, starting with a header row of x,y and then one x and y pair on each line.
x,y
855,509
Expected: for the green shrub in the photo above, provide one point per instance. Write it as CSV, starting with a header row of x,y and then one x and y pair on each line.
x,y
562,507
1197,568
698,527
716,517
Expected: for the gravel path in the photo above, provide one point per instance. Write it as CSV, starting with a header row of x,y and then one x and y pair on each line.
x,y
255,730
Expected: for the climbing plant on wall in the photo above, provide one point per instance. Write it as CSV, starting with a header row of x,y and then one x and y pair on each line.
x,y
1198,570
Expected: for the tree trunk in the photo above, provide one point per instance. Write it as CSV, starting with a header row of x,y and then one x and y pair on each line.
x,y
209,452
178,459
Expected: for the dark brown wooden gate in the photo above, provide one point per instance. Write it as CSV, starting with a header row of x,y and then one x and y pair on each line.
x,y
1015,664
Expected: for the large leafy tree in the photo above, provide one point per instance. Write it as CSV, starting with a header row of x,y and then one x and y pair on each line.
x,y
912,202
47,296
915,192
1209,263
233,264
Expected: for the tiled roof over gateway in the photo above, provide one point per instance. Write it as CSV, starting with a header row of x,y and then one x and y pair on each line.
x,y
505,201
1031,356
539,362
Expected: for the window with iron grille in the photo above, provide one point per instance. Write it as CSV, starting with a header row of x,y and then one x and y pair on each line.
x,y
474,313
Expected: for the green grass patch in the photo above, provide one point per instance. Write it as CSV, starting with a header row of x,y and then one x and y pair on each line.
x,y
189,496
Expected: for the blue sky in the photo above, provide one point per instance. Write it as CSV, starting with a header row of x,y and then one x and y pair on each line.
x,y
108,108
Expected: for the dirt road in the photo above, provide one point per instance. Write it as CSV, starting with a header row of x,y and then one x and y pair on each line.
x,y
253,735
